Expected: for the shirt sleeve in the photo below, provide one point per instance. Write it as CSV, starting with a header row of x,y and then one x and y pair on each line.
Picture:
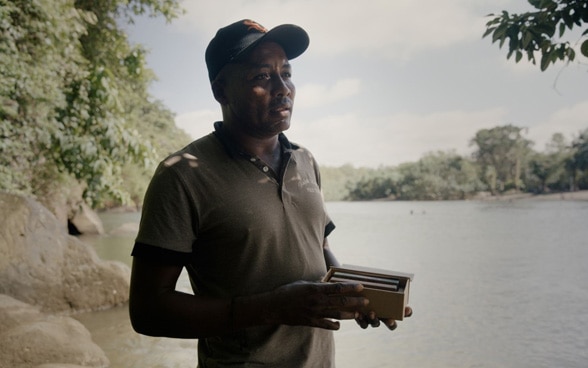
x,y
169,217
160,255
329,228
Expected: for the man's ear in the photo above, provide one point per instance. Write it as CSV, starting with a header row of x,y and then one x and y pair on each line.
x,y
218,90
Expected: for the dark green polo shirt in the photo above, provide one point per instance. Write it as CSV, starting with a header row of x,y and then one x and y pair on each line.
x,y
240,229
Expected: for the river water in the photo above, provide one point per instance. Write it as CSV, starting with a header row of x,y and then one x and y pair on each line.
x,y
497,284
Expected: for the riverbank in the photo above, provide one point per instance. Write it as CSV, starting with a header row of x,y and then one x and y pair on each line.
x,y
581,195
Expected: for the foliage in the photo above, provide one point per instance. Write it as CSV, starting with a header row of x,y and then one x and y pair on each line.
x,y
71,94
501,155
580,147
376,187
337,181
578,163
437,176
547,169
39,51
532,32
156,123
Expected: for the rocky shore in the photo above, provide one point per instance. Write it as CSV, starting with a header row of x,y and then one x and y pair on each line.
x,y
46,275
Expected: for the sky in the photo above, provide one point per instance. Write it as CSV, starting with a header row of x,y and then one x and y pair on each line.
x,y
383,82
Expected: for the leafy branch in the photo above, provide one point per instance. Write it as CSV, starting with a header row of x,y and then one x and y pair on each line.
x,y
535,32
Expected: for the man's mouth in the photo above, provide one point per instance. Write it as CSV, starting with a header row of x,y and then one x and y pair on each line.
x,y
282,107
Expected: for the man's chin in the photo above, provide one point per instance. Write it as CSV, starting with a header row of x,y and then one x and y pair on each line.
x,y
281,126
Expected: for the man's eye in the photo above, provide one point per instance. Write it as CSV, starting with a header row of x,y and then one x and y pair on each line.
x,y
287,75
263,76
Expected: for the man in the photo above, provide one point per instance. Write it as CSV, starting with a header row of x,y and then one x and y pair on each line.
x,y
241,209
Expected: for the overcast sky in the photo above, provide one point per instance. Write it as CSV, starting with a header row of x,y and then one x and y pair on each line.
x,y
383,81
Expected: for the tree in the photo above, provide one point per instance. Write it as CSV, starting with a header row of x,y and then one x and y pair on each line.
x,y
548,169
378,187
502,153
72,94
580,146
336,182
578,163
438,176
39,54
532,32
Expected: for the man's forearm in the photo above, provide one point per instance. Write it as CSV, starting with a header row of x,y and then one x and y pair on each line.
x,y
330,259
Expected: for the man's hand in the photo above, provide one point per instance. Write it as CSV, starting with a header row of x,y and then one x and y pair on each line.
x,y
315,304
371,320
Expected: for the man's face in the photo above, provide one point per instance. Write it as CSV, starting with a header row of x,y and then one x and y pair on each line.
x,y
259,92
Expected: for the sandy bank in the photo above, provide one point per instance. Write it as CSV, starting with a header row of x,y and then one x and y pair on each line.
x,y
581,195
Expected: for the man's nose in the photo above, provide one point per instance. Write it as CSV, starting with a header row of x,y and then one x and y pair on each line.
x,y
281,87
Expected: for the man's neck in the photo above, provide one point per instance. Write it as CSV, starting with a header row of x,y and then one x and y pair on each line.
x,y
267,149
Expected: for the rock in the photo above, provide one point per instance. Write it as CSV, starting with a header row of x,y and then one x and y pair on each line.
x,y
41,264
62,197
86,221
60,366
14,313
30,338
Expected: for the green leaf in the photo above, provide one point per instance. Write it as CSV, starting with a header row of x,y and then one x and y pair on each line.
x,y
571,54
546,28
518,56
527,38
545,60
536,3
500,33
584,48
568,21
488,31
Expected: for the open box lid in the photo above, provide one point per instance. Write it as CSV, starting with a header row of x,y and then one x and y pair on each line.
x,y
373,271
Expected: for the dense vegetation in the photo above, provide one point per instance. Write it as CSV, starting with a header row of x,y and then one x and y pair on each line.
x,y
74,105
503,162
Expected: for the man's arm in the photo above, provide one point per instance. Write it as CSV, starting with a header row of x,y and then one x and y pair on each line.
x,y
330,258
157,309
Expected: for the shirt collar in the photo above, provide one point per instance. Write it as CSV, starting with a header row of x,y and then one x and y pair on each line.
x,y
233,149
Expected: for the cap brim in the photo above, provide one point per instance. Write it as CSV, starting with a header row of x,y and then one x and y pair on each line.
x,y
293,39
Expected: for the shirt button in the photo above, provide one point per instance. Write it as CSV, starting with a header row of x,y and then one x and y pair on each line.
x,y
265,169
252,159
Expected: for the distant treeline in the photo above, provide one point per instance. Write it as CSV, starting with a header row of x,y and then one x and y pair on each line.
x,y
503,161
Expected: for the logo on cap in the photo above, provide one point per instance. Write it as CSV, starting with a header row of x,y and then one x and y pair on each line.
x,y
254,25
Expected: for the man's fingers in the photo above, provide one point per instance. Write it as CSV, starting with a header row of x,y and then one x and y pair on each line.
x,y
342,287
390,323
407,311
326,324
362,322
343,301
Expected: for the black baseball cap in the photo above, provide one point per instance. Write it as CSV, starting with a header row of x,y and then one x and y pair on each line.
x,y
233,41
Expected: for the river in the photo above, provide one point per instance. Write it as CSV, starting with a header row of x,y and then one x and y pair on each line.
x,y
497,284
